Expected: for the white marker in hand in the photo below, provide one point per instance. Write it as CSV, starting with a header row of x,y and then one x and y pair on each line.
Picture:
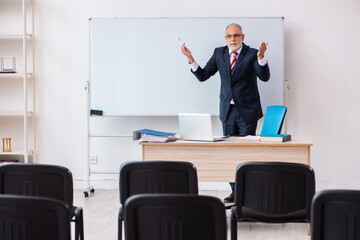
x,y
180,40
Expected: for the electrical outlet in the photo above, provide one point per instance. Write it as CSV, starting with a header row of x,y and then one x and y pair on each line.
x,y
93,160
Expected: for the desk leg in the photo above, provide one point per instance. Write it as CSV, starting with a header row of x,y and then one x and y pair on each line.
x,y
143,152
309,228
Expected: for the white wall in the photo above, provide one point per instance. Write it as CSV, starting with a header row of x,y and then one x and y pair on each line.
x,y
322,66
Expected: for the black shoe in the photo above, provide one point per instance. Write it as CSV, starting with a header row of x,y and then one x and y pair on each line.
x,y
230,198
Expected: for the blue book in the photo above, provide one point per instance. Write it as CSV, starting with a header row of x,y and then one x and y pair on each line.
x,y
275,138
148,135
273,120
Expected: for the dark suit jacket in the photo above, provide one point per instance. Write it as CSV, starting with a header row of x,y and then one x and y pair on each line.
x,y
241,84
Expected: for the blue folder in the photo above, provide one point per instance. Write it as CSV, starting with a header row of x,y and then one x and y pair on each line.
x,y
154,132
273,121
137,134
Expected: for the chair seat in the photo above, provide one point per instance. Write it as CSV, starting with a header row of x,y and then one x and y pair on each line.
x,y
251,215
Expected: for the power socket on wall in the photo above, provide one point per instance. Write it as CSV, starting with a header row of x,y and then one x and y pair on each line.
x,y
93,160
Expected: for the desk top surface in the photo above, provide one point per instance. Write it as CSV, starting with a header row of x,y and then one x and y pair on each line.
x,y
238,142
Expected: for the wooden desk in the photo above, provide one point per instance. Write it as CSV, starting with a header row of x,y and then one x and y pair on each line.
x,y
217,161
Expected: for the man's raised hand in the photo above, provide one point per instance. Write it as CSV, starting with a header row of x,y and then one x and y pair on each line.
x,y
187,53
262,49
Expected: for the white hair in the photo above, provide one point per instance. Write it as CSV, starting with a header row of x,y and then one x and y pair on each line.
x,y
235,25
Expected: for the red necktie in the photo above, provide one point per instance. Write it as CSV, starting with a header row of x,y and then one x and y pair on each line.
x,y
233,61
233,64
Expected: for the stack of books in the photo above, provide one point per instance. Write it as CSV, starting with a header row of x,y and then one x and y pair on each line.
x,y
275,138
148,135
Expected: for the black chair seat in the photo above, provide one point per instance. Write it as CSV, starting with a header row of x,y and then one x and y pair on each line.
x,y
256,216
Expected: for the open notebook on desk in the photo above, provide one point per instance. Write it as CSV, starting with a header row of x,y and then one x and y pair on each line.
x,y
197,127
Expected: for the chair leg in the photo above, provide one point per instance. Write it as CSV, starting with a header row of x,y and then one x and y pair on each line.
x,y
79,224
233,226
119,227
76,231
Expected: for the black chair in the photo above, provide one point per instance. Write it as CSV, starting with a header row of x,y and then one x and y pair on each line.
x,y
272,192
44,181
24,217
155,177
335,214
174,216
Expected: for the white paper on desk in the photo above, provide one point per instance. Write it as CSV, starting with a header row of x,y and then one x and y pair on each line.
x,y
249,138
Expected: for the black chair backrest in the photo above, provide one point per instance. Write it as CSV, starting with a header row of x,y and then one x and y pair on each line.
x,y
157,177
40,218
174,217
274,191
335,214
37,180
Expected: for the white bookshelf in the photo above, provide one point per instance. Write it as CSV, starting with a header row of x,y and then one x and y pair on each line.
x,y
17,95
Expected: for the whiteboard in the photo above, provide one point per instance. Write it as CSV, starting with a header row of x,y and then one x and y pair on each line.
x,y
137,68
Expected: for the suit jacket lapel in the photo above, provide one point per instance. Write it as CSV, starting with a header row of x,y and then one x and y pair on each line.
x,y
226,57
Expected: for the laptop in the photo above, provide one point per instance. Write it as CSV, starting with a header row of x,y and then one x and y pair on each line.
x,y
197,127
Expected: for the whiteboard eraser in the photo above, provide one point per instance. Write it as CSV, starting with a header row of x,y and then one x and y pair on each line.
x,y
96,112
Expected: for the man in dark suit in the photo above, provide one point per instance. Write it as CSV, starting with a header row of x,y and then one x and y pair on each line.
x,y
239,67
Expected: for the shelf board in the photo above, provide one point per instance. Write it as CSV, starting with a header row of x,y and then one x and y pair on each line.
x,y
14,75
12,153
14,114
16,36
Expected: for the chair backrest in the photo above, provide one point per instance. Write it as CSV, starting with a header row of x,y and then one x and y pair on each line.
x,y
335,214
157,177
274,118
274,191
24,217
37,180
173,217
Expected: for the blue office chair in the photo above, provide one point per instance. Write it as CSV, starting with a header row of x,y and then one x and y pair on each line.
x,y
274,118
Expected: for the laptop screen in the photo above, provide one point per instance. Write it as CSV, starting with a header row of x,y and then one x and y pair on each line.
x,y
195,126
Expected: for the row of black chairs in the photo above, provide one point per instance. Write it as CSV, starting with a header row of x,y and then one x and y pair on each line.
x,y
264,192
36,202
160,201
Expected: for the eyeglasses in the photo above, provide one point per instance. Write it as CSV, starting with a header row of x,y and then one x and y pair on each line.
x,y
231,36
